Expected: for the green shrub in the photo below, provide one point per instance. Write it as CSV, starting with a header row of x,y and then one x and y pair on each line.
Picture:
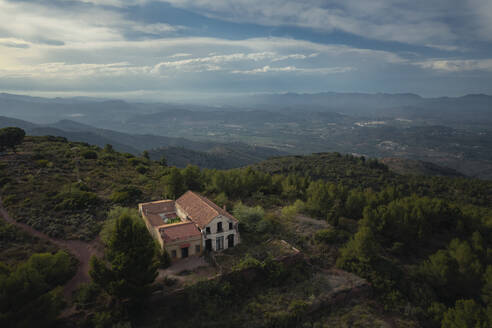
x,y
331,236
9,200
29,296
109,225
291,211
247,262
135,161
248,216
86,295
126,195
76,200
43,163
466,313
142,169
89,154
164,260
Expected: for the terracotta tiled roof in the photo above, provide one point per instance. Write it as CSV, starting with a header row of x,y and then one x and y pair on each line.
x,y
179,231
154,211
200,209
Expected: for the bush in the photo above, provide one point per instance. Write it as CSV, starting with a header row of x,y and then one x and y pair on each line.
x,y
43,163
466,313
86,294
11,137
142,169
331,236
164,260
247,262
126,195
77,200
135,161
29,296
248,216
110,223
89,154
9,200
291,211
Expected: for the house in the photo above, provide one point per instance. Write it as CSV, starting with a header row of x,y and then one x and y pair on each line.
x,y
190,225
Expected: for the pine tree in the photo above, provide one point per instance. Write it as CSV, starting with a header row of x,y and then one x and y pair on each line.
x,y
11,137
132,262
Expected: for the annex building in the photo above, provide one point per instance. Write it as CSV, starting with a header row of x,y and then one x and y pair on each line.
x,y
189,225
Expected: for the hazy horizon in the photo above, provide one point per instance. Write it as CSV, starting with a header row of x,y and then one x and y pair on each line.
x,y
195,99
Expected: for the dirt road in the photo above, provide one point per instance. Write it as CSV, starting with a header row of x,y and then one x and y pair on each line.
x,y
81,250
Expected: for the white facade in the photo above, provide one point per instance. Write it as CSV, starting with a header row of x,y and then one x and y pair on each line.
x,y
217,239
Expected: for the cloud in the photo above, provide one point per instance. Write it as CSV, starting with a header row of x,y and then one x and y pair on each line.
x,y
320,70
444,47
158,28
481,11
13,43
460,65
72,71
114,45
55,26
389,20
182,63
267,51
212,62
180,55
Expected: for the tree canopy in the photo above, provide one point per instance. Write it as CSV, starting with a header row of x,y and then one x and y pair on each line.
x,y
11,137
30,293
131,265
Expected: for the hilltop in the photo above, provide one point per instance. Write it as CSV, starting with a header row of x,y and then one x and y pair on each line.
x,y
397,232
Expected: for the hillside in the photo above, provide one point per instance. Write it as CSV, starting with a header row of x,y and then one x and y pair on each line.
x,y
203,153
411,237
414,167
222,157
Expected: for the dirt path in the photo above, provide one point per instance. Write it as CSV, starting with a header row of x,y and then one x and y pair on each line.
x,y
79,249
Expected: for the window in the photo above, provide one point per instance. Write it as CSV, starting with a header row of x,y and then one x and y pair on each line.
x,y
197,249
173,254
219,243
207,230
219,227
230,225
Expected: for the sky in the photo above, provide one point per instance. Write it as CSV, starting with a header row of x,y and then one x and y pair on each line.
x,y
181,50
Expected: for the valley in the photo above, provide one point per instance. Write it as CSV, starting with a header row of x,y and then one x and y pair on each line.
x,y
226,136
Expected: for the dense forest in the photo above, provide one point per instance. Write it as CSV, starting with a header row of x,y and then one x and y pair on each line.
x,y
424,244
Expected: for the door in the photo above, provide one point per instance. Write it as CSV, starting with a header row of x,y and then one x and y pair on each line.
x,y
184,252
208,244
230,241
219,243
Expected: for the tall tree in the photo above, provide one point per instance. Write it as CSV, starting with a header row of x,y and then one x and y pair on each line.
x,y
132,262
174,182
11,137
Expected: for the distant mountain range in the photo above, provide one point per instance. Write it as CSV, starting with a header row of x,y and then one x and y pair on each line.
x,y
455,132
216,155
178,151
474,108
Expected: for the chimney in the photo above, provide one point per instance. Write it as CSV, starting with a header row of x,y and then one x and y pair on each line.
x,y
224,207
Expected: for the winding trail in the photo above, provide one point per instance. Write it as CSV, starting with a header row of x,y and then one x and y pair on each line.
x,y
81,250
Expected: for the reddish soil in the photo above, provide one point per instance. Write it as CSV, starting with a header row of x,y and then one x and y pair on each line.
x,y
81,250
